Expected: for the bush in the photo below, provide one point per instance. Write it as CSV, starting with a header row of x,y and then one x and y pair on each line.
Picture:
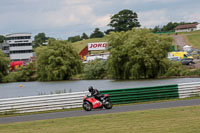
x,y
28,72
176,69
95,70
25,73
12,77
195,72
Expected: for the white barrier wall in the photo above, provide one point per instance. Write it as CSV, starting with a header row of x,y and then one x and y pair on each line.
x,y
42,103
189,89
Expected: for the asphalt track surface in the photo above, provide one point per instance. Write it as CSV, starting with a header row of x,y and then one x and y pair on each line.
x,y
137,107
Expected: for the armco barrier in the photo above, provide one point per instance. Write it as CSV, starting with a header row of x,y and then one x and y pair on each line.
x,y
42,103
142,94
189,89
117,96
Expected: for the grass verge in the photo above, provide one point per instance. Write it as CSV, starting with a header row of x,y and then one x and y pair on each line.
x,y
171,120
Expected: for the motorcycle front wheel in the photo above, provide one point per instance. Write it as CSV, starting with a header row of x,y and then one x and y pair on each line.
x,y
87,106
108,105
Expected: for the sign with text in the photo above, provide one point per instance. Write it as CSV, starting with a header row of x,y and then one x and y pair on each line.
x,y
97,46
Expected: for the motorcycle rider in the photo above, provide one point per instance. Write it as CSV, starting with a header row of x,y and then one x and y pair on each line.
x,y
95,93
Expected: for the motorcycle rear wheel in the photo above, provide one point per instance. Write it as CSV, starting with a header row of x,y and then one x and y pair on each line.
x,y
87,106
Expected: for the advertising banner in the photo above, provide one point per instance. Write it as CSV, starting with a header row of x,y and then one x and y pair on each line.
x,y
97,46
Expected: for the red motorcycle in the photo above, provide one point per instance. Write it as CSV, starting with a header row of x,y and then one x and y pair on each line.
x,y
89,102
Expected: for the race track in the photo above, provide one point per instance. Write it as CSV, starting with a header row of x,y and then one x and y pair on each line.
x,y
149,106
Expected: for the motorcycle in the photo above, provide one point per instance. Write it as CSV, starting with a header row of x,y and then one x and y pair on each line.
x,y
89,102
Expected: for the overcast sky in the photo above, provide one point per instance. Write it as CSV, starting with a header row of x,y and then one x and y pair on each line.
x,y
64,18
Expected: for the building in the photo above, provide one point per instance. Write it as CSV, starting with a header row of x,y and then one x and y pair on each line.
x,y
18,46
187,27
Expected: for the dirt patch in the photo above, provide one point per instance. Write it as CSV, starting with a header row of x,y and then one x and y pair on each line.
x,y
180,40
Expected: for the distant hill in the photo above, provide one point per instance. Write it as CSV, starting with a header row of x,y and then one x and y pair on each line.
x,y
81,44
193,39
190,38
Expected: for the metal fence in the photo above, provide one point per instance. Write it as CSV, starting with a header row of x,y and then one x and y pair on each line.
x,y
117,96
189,89
42,103
142,94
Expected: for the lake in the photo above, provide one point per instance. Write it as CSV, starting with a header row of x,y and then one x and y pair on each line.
x,y
10,90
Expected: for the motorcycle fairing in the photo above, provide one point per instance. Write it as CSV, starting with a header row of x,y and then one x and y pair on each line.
x,y
95,103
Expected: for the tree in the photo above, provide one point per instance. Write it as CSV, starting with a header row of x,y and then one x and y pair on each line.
x,y
57,61
74,38
84,36
2,38
124,20
156,29
40,39
137,53
169,27
4,62
97,34
108,31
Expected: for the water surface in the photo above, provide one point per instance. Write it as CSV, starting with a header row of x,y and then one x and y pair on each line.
x,y
10,90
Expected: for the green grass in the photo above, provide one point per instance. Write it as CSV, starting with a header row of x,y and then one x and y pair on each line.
x,y
171,120
81,44
194,40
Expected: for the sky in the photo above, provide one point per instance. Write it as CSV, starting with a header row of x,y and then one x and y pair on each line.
x,y
65,18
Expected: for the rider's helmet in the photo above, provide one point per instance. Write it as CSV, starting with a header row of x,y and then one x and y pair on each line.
x,y
90,89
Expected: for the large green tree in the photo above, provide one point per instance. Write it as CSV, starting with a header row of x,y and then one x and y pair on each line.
x,y
57,61
137,53
40,39
4,62
124,20
97,33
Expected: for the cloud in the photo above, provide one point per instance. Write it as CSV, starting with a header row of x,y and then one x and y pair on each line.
x,y
76,16
101,21
76,2
192,17
153,18
54,17
69,15
149,1
74,13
